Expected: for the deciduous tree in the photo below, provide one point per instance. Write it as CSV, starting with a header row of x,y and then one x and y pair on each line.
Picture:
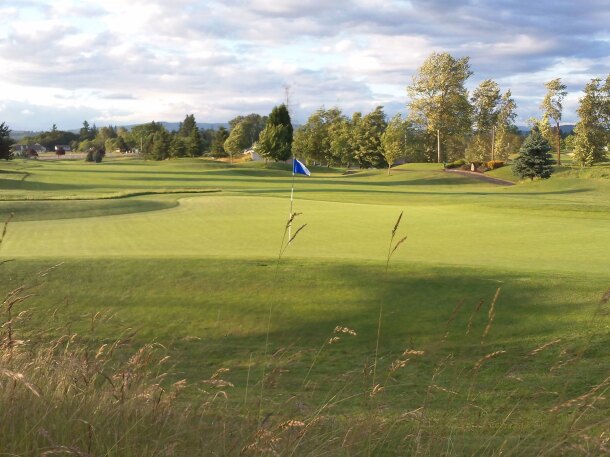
x,y
593,127
236,142
485,100
394,140
553,107
439,101
506,137
367,131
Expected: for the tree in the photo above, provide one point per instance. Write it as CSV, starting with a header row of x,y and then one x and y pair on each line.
x,y
507,135
271,140
367,133
534,160
5,142
279,116
339,133
218,140
394,140
593,127
191,138
439,101
85,132
311,139
177,147
236,142
485,113
160,145
253,124
142,136
552,106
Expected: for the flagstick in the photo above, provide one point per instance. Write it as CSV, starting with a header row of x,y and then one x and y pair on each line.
x,y
291,200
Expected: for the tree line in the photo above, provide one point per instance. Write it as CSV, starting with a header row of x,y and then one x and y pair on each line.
x,y
444,123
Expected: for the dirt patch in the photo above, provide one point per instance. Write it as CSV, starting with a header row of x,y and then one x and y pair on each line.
x,y
482,177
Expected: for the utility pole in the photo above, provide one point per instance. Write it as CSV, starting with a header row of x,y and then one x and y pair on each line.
x,y
287,96
438,144
493,143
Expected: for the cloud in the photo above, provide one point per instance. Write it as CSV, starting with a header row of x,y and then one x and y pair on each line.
x,y
133,61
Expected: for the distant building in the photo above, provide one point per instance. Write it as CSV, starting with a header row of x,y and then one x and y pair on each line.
x,y
65,147
253,155
22,148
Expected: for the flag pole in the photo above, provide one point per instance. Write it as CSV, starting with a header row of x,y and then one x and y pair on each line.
x,y
291,200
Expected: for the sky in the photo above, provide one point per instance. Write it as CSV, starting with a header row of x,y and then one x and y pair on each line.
x,y
131,61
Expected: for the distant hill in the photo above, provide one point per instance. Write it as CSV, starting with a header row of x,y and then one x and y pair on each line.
x,y
171,126
18,134
565,129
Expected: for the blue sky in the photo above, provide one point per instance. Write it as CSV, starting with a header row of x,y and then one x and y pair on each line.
x,y
123,62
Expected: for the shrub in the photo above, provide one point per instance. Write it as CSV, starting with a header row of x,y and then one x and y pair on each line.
x,y
456,163
493,164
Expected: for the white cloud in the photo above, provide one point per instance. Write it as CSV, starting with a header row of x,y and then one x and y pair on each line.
x,y
139,60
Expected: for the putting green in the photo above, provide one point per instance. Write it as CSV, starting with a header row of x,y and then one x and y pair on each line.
x,y
245,226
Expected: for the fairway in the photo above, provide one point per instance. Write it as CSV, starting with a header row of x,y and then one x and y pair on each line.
x,y
185,252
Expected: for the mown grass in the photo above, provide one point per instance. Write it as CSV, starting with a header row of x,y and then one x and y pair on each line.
x,y
197,277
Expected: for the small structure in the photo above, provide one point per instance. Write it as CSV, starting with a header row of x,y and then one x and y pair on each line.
x,y
253,155
64,147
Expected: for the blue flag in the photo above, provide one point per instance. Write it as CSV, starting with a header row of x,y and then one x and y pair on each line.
x,y
299,168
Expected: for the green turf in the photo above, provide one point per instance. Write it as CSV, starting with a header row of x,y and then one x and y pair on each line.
x,y
197,273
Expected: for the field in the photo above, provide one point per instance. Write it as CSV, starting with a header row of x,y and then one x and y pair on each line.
x,y
499,286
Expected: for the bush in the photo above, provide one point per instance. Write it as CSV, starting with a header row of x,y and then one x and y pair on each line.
x,y
456,164
493,164
95,155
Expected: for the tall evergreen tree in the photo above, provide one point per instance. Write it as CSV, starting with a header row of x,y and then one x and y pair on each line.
x,y
5,142
534,160
218,140
280,117
161,143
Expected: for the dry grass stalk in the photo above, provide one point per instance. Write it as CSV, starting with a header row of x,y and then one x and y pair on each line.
x,y
5,227
19,377
486,358
586,399
398,364
605,298
392,249
491,315
454,314
473,314
413,352
346,330
544,346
